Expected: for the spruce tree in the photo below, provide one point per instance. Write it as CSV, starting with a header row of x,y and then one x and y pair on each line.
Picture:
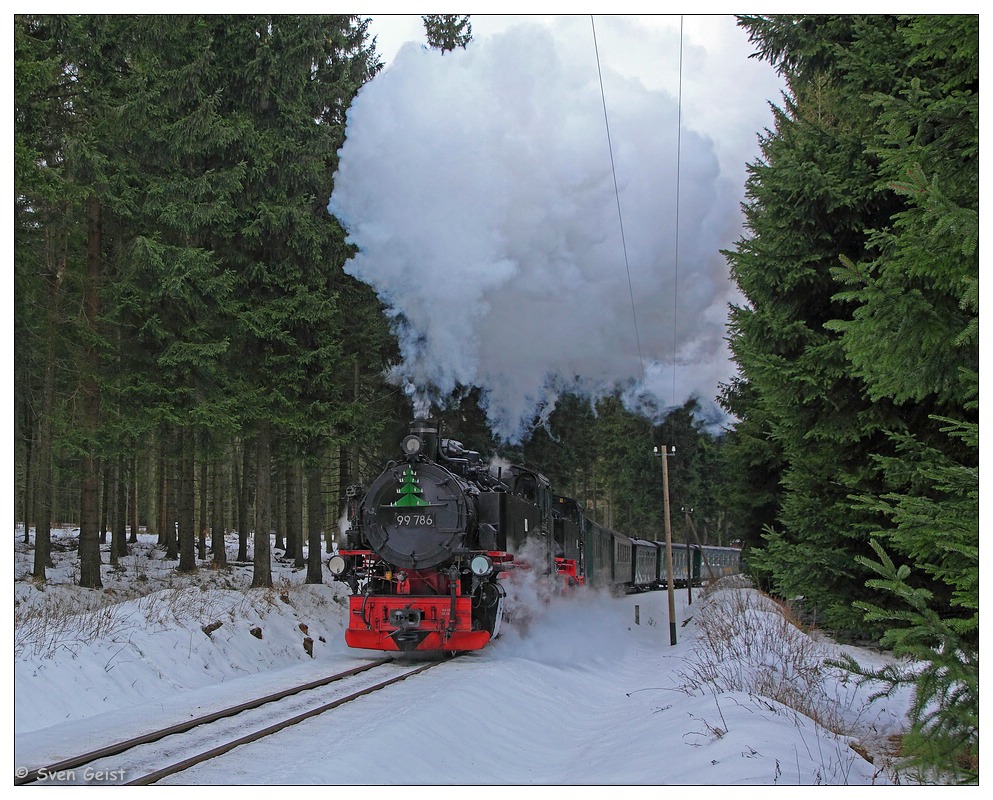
x,y
445,32
811,199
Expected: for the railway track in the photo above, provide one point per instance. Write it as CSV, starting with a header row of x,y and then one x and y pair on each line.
x,y
148,758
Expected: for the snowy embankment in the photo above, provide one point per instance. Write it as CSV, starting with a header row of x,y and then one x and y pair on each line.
x,y
581,694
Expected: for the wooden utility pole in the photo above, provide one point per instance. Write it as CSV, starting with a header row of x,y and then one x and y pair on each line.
x,y
668,541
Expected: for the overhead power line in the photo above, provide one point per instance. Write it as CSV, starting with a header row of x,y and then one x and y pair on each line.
x,y
617,195
620,216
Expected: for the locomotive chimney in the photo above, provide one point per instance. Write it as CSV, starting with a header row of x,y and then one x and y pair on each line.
x,y
427,431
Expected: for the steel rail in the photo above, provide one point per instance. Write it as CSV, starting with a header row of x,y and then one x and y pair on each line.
x,y
186,763
34,775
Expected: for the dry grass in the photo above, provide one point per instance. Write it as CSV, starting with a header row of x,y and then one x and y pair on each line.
x,y
750,643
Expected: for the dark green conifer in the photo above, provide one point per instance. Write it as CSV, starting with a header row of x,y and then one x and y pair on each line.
x,y
447,31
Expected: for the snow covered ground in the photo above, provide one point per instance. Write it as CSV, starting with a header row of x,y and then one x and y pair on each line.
x,y
582,695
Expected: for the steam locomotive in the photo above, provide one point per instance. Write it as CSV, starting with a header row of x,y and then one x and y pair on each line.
x,y
437,539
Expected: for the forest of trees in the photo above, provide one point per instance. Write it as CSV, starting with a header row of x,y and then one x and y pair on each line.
x,y
191,356
182,318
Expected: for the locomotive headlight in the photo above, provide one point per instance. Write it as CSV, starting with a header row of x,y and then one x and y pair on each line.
x,y
337,565
481,565
411,445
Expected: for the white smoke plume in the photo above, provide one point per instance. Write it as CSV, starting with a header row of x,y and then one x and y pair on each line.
x,y
478,187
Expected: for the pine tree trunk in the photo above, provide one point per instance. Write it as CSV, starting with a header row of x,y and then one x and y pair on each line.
x,y
262,570
163,496
133,499
118,541
89,506
187,503
89,520
106,505
332,525
171,501
170,480
289,509
44,490
234,492
296,512
202,519
315,523
43,523
343,480
29,475
122,505
244,495
217,512
279,512
108,510
149,498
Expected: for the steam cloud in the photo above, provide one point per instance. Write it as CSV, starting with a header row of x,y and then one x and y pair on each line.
x,y
477,186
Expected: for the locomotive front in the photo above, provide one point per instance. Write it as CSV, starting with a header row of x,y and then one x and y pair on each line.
x,y
420,579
